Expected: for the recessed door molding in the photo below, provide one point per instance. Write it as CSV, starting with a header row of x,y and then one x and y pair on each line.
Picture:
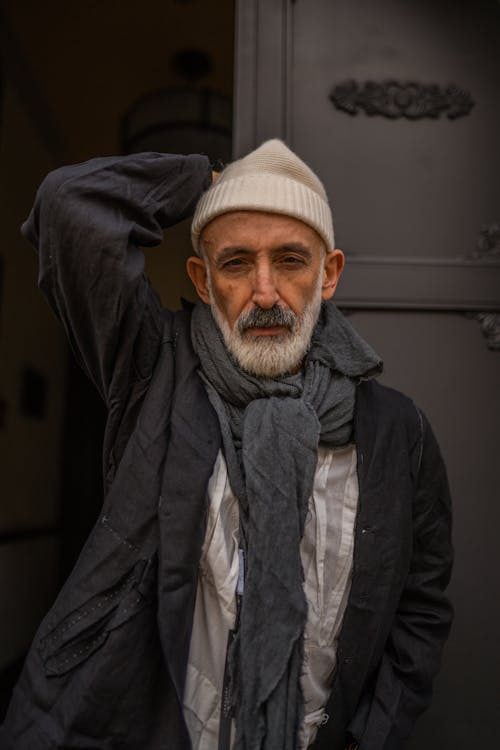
x,y
264,68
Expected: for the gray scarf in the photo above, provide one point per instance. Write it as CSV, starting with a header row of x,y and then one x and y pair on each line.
x,y
271,429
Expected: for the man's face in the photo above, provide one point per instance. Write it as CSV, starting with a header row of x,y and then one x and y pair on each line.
x,y
264,276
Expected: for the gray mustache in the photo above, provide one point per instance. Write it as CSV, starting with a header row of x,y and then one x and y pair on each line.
x,y
260,318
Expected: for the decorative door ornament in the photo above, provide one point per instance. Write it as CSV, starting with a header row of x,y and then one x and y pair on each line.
x,y
394,99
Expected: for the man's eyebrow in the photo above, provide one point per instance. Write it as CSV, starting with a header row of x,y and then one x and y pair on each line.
x,y
229,251
294,247
287,247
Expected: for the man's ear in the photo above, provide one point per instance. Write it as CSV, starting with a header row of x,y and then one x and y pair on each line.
x,y
334,264
197,272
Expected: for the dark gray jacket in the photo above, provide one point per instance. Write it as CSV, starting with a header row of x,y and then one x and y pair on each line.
x,y
107,666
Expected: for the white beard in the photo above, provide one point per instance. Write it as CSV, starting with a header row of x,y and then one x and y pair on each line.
x,y
270,356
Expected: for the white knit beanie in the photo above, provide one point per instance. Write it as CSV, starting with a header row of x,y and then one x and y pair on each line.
x,y
272,179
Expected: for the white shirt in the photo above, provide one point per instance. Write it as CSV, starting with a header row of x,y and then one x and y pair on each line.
x,y
326,553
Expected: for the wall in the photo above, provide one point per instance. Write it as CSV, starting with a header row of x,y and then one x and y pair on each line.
x,y
30,447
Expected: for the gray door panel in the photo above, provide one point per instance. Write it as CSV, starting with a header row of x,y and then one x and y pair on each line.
x,y
416,202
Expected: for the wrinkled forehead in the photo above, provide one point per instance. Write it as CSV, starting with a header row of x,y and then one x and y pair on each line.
x,y
258,230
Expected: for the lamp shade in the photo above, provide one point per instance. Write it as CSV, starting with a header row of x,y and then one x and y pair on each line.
x,y
181,120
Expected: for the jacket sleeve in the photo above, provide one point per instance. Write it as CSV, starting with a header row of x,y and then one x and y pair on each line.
x,y
402,687
88,224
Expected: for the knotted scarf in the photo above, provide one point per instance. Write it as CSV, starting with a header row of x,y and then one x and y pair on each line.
x,y
271,429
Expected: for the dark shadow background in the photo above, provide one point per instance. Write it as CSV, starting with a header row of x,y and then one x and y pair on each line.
x,y
81,79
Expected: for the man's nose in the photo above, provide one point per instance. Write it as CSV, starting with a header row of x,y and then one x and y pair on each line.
x,y
265,292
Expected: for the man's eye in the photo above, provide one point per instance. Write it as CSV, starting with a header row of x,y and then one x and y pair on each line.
x,y
234,263
291,260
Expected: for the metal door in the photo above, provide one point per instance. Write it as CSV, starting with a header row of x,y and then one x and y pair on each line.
x,y
396,105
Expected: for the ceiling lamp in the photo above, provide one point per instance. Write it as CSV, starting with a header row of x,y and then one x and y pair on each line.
x,y
182,120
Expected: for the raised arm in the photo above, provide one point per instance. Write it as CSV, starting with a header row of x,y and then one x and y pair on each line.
x,y
88,224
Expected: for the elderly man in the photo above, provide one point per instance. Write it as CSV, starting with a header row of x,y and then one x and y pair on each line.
x,y
268,569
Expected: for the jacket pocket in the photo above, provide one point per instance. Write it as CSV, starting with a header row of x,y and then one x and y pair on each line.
x,y
85,629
